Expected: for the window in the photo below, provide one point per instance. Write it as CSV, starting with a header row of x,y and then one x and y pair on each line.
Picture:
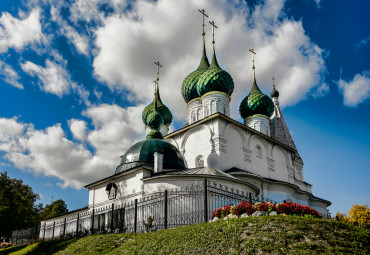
x,y
199,161
111,190
258,151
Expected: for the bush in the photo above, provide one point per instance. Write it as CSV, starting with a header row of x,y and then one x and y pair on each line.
x,y
268,207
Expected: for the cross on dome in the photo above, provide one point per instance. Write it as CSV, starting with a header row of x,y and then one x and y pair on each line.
x,y
213,34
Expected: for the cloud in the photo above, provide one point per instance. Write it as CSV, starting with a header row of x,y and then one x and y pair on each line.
x,y
9,75
355,91
18,33
81,42
55,79
170,31
363,42
78,129
321,91
50,153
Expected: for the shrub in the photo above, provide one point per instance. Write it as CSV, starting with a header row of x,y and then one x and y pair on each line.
x,y
286,208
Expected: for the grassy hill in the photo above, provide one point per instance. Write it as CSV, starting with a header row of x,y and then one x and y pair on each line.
x,y
254,235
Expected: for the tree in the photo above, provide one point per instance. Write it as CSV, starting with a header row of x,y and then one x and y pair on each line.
x,y
55,208
17,206
360,215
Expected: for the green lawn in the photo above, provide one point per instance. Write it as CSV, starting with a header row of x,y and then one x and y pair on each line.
x,y
254,235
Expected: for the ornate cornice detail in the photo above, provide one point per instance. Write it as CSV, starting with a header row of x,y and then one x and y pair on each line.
x,y
247,155
220,144
271,164
290,171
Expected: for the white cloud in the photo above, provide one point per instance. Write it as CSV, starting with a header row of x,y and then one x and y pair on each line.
x,y
78,129
170,31
115,129
357,90
81,42
9,75
321,91
18,33
49,152
53,77
363,42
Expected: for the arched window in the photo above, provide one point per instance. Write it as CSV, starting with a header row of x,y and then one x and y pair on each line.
x,y
111,190
258,151
218,106
213,107
193,117
198,114
199,161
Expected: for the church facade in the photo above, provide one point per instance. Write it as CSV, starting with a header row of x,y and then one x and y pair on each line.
x,y
258,156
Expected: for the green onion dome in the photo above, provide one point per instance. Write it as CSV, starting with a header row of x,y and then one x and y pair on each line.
x,y
189,85
155,120
161,108
215,79
141,154
256,103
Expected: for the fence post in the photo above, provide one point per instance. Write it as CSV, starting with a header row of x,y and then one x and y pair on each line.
x,y
250,198
165,208
111,221
205,201
135,218
43,238
52,237
92,221
78,219
64,227
16,237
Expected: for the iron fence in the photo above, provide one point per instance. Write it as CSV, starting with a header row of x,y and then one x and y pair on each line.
x,y
25,236
168,209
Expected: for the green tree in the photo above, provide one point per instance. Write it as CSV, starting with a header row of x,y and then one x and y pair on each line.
x,y
17,206
55,208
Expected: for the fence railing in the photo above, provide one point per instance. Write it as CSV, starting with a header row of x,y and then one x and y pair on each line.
x,y
168,209
25,236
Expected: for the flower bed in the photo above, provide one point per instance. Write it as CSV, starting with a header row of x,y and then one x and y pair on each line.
x,y
267,207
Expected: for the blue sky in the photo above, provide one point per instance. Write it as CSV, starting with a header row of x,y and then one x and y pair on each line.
x,y
75,76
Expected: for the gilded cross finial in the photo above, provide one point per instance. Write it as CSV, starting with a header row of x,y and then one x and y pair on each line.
x,y
253,53
203,12
158,65
213,34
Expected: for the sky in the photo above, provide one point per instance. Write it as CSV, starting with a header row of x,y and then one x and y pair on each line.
x,y
75,76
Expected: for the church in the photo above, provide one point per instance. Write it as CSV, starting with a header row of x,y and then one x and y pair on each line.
x,y
258,156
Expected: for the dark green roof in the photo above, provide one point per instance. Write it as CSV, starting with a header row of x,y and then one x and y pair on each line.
x,y
142,152
215,79
189,85
256,103
161,108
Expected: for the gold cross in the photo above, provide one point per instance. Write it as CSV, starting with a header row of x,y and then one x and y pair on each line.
x,y
203,14
213,30
158,65
253,53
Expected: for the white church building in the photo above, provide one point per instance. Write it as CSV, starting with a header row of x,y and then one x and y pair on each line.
x,y
258,156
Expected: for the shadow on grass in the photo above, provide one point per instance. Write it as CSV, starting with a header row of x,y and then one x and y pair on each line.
x,y
50,247
12,249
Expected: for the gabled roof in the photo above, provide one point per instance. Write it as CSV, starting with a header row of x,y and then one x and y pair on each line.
x,y
227,119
